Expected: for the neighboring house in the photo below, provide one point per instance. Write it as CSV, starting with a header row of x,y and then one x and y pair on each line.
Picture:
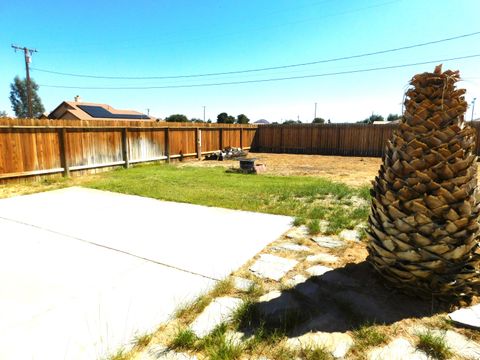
x,y
77,110
261,122
386,122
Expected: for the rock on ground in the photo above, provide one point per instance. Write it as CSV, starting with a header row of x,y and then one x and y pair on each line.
x,y
458,344
298,233
218,311
292,247
318,270
469,317
349,235
272,267
337,344
242,284
398,349
328,241
295,280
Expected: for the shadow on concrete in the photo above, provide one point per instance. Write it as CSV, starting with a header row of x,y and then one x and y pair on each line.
x,y
339,300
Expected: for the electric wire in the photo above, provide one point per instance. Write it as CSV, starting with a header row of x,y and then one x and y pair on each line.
x,y
257,69
258,80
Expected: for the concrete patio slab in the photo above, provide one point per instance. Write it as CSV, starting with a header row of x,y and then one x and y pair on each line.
x,y
83,271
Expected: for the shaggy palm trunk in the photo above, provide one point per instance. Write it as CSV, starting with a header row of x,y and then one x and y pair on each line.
x,y
423,227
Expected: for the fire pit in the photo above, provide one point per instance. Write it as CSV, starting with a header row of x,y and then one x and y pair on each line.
x,y
247,165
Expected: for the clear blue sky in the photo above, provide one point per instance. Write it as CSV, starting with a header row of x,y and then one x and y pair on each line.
x,y
178,37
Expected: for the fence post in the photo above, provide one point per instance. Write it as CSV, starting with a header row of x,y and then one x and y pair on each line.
x,y
198,136
221,138
282,144
241,137
167,143
62,140
125,150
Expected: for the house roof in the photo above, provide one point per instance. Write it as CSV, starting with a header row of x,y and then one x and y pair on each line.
x,y
94,111
261,121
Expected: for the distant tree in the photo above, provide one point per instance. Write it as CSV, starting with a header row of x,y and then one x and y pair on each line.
x,y
224,118
318,120
209,121
393,117
196,120
3,114
242,119
176,118
290,122
371,119
18,98
328,121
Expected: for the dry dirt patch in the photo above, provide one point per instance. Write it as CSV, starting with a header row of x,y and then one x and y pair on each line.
x,y
354,171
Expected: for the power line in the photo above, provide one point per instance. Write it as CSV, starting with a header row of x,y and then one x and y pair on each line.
x,y
258,69
261,80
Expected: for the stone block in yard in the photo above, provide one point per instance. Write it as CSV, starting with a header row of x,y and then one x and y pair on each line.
x,y
292,247
298,233
328,241
457,343
276,306
469,317
350,235
272,267
297,279
398,349
218,311
318,270
242,284
322,257
337,344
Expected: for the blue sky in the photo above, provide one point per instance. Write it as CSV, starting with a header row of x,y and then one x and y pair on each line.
x,y
176,37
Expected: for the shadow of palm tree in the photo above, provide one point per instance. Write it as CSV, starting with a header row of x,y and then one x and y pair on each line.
x,y
339,300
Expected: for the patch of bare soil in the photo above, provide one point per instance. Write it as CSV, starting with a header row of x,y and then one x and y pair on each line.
x,y
353,171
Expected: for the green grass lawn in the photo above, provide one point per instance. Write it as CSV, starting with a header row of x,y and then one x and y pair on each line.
x,y
308,199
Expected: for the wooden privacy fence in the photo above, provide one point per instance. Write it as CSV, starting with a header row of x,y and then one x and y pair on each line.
x,y
43,147
327,139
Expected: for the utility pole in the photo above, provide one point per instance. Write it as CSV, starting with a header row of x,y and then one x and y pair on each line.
x,y
315,114
203,113
473,106
28,55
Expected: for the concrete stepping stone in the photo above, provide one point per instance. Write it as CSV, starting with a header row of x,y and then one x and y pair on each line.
x,y
398,349
350,235
318,270
218,311
298,233
291,247
161,352
328,241
297,279
272,267
458,344
322,257
337,344
276,305
242,284
469,317
234,337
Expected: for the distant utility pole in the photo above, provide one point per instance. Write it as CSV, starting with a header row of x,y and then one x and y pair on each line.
x,y
28,55
204,113
148,112
315,114
473,106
